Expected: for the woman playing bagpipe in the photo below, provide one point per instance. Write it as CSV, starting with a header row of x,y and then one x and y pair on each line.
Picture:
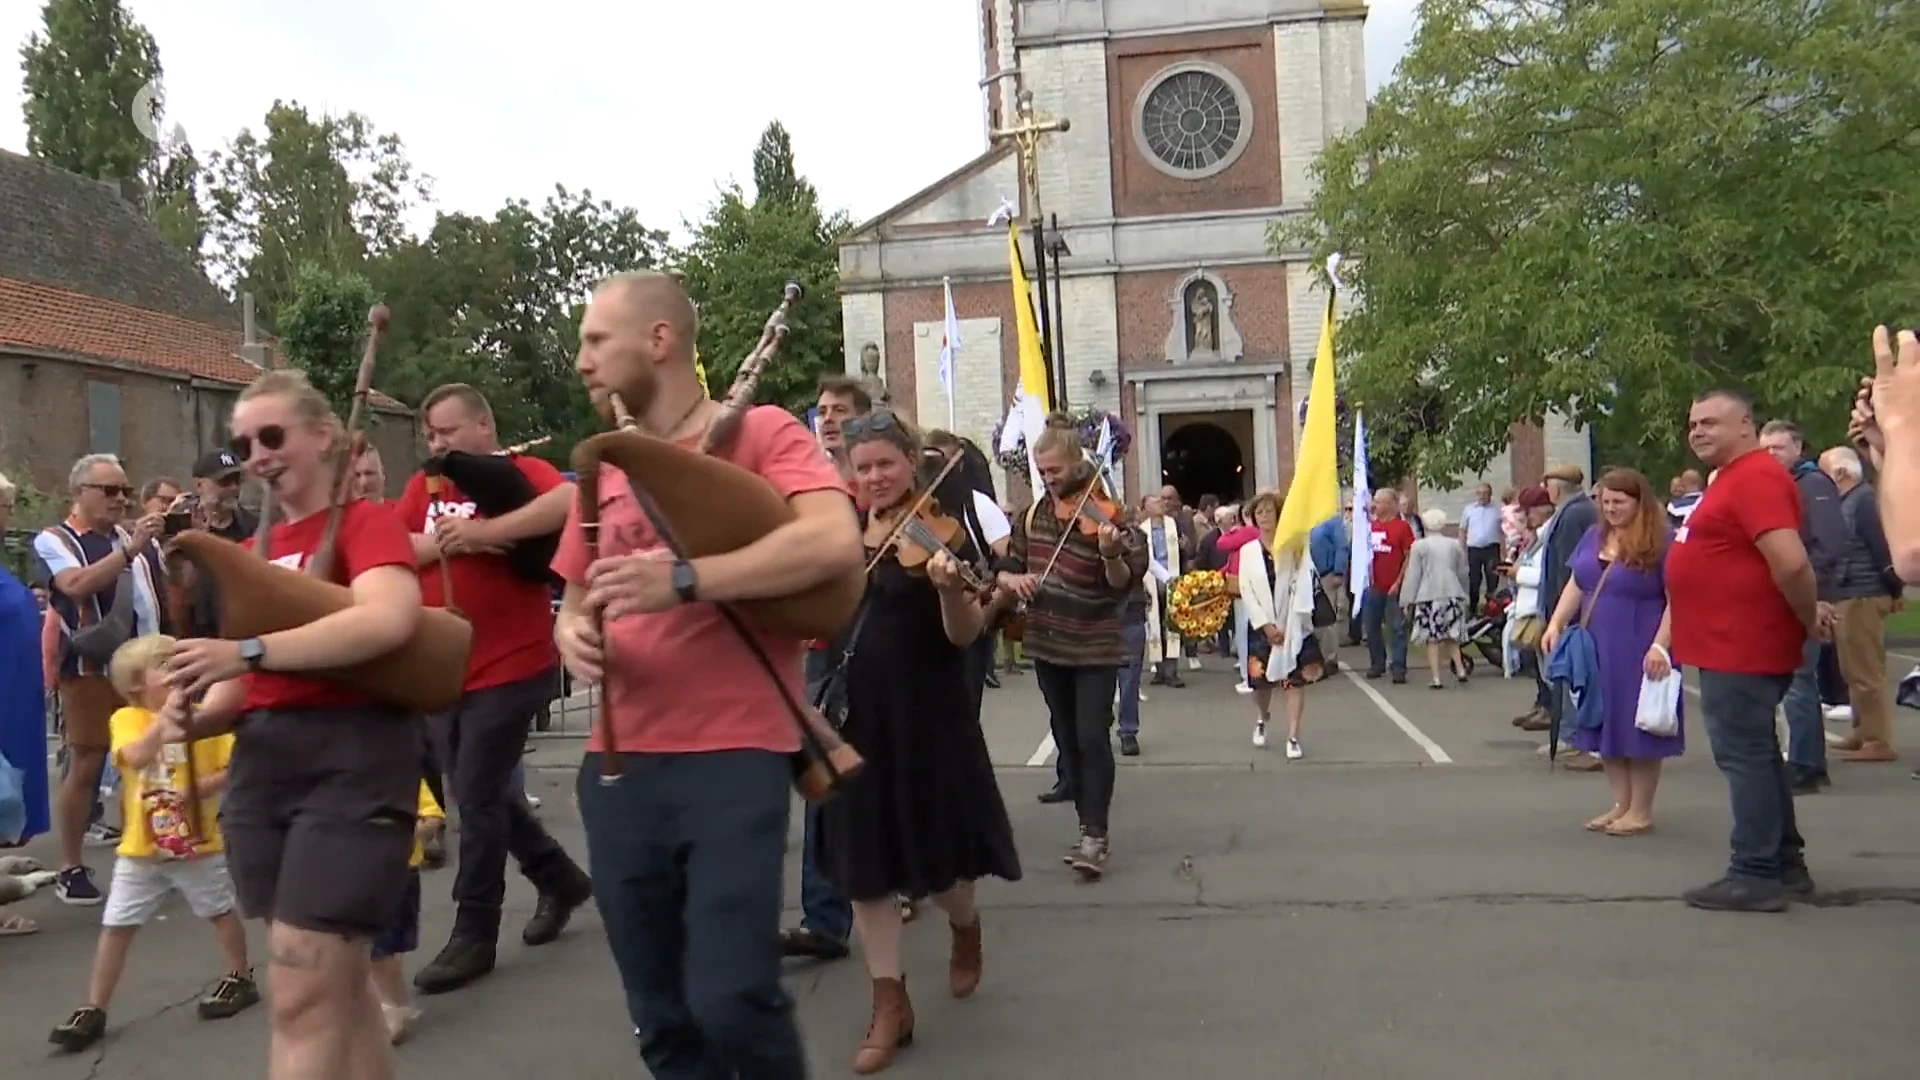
x,y
925,818
685,788
324,780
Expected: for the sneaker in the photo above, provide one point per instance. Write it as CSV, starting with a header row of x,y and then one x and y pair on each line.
x,y
1090,859
806,943
1193,663
1294,753
101,835
1242,688
1129,746
533,802
75,886
1837,714
462,961
1797,883
1738,894
84,1028
232,995
1260,733
1073,849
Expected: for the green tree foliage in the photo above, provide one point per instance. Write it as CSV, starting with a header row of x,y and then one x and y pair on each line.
x,y
83,78
1602,208
323,330
321,191
743,254
496,303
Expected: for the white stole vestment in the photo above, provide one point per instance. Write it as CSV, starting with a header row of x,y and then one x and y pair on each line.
x,y
1159,647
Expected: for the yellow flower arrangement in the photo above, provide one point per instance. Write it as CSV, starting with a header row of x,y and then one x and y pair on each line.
x,y
1200,603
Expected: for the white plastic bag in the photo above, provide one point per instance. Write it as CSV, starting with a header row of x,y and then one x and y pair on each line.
x,y
1659,710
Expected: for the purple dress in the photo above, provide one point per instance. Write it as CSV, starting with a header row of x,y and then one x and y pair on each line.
x,y
1624,620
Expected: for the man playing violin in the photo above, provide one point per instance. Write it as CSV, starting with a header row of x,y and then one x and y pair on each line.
x,y
511,675
1074,563
686,851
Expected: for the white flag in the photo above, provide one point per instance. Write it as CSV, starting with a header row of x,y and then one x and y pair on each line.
x,y
1360,568
949,348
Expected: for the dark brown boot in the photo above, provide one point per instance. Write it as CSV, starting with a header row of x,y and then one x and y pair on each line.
x,y
889,1031
963,967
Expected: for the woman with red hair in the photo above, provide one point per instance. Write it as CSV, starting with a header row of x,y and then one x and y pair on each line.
x,y
1618,592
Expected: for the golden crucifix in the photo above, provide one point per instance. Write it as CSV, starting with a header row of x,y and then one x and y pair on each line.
x,y
1026,136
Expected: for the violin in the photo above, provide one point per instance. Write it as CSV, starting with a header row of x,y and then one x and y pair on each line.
x,y
915,531
1092,508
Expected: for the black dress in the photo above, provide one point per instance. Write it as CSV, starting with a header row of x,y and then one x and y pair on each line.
x,y
926,812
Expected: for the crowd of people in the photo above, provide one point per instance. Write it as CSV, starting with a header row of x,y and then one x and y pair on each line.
x,y
1756,576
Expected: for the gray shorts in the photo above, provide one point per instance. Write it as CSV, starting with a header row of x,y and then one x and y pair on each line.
x,y
141,886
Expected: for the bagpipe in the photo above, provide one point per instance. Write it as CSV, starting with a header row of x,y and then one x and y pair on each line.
x,y
254,597
497,487
703,505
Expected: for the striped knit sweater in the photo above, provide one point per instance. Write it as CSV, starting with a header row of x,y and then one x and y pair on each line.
x,y
1075,619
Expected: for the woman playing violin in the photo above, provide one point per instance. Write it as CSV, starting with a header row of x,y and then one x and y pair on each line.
x,y
1075,563
925,818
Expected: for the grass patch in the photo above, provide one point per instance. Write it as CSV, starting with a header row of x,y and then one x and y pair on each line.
x,y
1905,624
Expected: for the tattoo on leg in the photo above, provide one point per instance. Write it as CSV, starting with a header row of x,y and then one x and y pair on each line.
x,y
295,957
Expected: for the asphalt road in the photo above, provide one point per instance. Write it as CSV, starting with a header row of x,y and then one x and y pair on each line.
x,y
1369,912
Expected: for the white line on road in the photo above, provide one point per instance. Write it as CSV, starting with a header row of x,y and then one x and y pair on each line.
x,y
1041,755
1400,720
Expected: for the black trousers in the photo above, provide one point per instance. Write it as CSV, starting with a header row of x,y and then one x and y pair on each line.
x,y
686,857
479,741
1080,715
1481,562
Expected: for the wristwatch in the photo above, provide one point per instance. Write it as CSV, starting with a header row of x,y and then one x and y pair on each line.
x,y
254,652
686,584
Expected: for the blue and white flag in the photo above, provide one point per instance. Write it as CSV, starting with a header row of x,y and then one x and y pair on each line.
x,y
949,348
1360,572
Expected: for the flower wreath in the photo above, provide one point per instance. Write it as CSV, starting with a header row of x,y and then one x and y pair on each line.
x,y
1086,420
1200,603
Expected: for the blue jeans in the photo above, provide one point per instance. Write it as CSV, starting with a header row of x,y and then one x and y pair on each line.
x,y
1739,717
822,909
686,860
1806,737
1382,612
1133,638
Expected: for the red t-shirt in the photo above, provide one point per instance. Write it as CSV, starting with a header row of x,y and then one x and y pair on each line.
x,y
512,617
683,682
1389,541
1727,614
370,536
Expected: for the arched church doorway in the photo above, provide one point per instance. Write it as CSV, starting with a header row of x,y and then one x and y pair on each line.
x,y
1201,455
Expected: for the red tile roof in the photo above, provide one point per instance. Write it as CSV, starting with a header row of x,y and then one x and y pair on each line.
x,y
63,321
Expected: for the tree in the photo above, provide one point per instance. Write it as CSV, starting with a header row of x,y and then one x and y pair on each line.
x,y
742,255
327,191
83,76
496,303
1602,208
323,330
93,106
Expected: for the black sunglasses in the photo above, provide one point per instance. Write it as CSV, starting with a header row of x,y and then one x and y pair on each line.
x,y
874,424
110,490
273,437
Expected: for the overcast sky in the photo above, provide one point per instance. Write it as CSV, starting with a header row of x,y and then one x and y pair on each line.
x,y
652,104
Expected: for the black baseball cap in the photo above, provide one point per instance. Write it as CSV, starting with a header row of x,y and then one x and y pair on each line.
x,y
216,465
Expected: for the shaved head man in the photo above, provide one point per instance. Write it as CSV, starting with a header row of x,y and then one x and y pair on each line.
x,y
637,340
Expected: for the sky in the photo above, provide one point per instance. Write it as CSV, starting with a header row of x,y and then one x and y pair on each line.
x,y
654,104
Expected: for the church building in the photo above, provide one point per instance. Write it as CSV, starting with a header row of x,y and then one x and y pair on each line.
x,y
1193,129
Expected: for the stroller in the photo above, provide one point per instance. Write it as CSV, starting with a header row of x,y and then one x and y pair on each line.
x,y
1486,631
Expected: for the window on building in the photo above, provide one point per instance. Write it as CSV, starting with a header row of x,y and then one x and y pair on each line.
x,y
103,418
1192,120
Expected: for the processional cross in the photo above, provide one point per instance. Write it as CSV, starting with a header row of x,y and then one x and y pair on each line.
x,y
1026,136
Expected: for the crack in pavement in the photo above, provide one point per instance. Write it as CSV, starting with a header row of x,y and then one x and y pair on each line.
x,y
100,1056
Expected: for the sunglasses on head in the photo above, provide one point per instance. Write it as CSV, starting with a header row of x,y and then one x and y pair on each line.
x,y
272,437
110,490
877,422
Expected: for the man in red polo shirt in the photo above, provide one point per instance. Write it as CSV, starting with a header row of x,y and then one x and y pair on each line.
x,y
1741,597
510,677
1390,539
826,918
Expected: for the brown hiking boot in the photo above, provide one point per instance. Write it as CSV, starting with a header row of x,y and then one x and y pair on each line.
x,y
966,960
889,1031
1090,860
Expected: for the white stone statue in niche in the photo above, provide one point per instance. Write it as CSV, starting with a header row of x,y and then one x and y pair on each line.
x,y
872,374
1203,330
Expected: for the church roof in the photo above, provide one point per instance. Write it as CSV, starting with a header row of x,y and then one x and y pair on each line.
x,y
870,230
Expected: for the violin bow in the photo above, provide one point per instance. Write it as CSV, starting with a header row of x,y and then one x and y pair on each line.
x,y
1101,473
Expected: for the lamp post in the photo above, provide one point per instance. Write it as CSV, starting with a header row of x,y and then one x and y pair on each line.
x,y
1057,249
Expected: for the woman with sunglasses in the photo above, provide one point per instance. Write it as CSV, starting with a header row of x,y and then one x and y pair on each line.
x,y
925,818
324,783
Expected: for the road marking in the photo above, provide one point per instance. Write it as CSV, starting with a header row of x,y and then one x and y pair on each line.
x,y
1911,659
1041,755
1399,719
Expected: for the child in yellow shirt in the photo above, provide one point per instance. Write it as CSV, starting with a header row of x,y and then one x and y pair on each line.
x,y
161,850
402,936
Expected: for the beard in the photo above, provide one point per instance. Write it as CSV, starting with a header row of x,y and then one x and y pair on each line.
x,y
636,395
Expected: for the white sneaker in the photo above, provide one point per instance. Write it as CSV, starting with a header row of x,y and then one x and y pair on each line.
x,y
1242,688
1143,695
533,802
1193,663
1260,733
1837,713
1294,753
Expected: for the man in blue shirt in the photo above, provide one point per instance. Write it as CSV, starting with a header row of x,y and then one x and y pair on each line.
x,y
1331,546
1480,521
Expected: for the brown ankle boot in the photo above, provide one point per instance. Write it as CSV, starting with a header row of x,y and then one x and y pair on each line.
x,y
963,968
890,1029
